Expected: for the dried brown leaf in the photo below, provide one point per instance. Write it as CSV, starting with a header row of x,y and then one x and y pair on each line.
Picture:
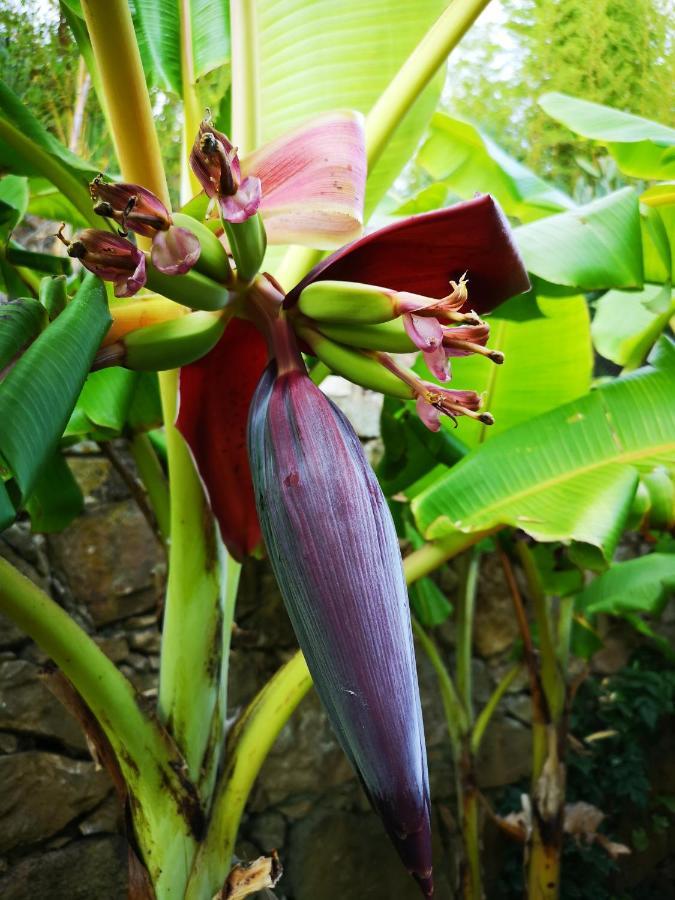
x,y
247,878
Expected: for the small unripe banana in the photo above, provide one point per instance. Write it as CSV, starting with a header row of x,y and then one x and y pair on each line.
x,y
167,345
356,366
344,301
213,260
248,242
389,337
130,315
192,289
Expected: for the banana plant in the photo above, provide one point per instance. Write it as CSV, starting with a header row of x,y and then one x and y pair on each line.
x,y
289,171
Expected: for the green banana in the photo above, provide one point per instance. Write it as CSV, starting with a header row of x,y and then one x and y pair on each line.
x,y
344,301
53,295
248,242
167,345
213,260
192,289
356,366
389,337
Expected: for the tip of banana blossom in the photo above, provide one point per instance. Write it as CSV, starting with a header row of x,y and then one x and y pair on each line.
x,y
426,884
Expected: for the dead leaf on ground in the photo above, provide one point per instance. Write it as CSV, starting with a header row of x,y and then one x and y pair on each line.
x,y
247,878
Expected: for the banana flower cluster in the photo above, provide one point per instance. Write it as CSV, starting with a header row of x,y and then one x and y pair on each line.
x,y
277,459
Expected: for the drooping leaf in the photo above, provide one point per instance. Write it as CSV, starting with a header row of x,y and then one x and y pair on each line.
x,y
47,202
636,586
594,247
569,474
13,203
145,409
103,405
27,148
626,324
20,322
56,498
40,391
39,262
318,58
465,160
641,148
549,361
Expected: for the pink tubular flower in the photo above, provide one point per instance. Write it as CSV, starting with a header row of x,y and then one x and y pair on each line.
x,y
109,256
215,162
433,400
134,208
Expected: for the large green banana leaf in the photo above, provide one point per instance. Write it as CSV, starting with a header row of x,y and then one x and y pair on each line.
x,y
341,54
39,392
641,148
569,474
465,160
593,247
549,362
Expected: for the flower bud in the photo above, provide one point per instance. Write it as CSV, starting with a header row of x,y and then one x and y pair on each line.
x,y
333,547
215,162
111,257
134,208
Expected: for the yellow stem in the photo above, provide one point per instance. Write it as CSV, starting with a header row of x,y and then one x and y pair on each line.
x,y
189,185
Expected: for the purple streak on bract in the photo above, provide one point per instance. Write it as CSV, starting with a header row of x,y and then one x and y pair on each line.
x,y
333,547
422,253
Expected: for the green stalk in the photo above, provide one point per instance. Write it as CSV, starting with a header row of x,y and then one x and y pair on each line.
x,y
191,642
488,710
394,102
465,764
52,169
465,617
166,810
189,185
245,80
248,746
152,475
455,713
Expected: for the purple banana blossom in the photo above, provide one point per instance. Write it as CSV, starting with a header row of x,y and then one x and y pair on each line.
x,y
333,547
109,256
174,250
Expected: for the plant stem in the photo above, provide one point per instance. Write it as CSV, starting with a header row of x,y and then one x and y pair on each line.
x,y
549,733
152,475
416,73
126,95
488,710
148,759
251,741
432,555
455,714
189,185
465,616
245,80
